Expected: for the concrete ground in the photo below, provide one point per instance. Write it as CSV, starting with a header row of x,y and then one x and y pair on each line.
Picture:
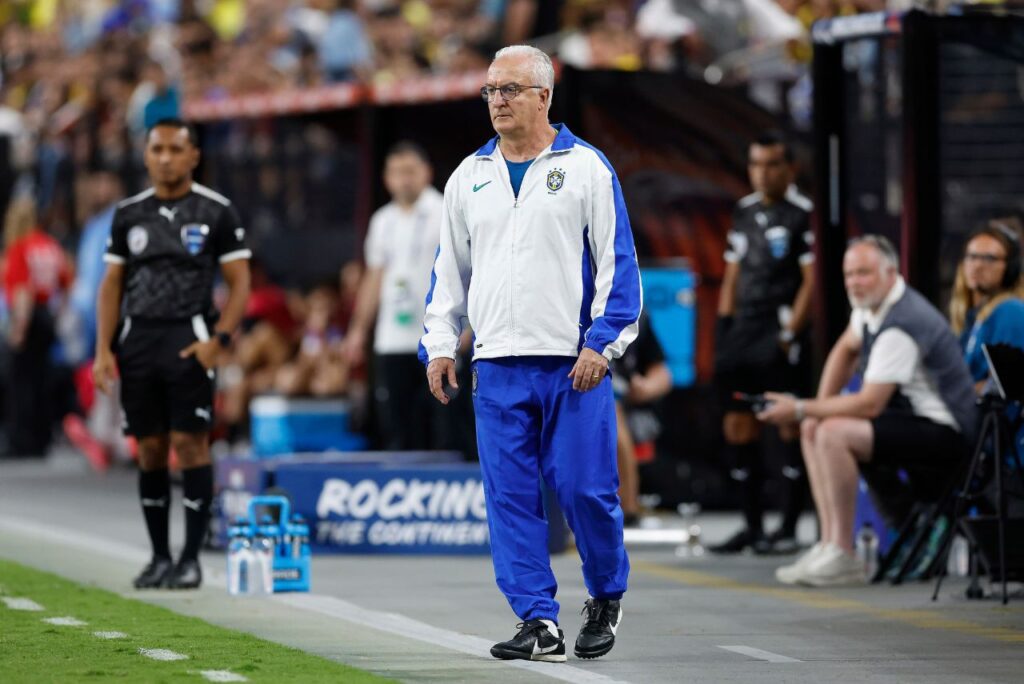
x,y
432,619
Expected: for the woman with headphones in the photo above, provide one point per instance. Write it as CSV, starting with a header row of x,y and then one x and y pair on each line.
x,y
987,305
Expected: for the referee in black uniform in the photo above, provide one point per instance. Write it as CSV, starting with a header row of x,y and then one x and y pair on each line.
x,y
165,247
760,341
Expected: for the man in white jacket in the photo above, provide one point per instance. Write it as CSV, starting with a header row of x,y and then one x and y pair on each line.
x,y
537,255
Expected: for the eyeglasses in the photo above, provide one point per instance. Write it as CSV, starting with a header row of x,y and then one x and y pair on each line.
x,y
508,92
987,259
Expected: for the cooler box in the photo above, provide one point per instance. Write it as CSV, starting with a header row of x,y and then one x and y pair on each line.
x,y
282,425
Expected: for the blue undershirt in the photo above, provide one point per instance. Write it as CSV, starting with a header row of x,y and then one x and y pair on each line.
x,y
516,171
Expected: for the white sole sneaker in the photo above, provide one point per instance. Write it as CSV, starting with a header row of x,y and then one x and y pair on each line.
x,y
791,574
833,567
846,579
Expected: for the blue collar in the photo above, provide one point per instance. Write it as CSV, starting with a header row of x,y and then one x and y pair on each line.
x,y
564,140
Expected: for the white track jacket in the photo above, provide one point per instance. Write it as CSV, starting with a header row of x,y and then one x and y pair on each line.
x,y
544,275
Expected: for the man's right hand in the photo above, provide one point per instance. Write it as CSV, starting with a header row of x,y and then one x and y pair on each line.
x,y
438,369
103,370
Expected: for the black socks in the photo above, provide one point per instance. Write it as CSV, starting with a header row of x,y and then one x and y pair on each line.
x,y
155,496
197,494
748,472
794,487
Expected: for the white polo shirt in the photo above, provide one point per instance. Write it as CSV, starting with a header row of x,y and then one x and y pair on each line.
x,y
403,243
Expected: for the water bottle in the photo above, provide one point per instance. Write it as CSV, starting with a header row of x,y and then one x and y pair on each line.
x,y
263,560
692,546
959,562
299,535
867,549
240,558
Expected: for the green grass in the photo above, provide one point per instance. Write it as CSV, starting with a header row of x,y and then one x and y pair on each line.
x,y
34,651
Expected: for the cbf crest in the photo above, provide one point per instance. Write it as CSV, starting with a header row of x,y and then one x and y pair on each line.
x,y
556,178
193,237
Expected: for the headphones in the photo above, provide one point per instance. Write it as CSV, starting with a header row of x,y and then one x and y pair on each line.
x,y
1012,243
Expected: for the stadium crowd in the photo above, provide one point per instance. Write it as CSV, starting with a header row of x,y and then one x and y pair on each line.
x,y
80,82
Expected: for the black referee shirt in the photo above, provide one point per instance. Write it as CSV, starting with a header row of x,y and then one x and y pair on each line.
x,y
770,242
171,250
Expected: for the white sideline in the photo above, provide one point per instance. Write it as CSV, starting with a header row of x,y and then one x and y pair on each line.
x,y
760,655
392,623
162,654
66,621
222,676
401,625
21,603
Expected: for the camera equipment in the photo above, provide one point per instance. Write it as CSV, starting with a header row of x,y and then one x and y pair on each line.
x,y
994,447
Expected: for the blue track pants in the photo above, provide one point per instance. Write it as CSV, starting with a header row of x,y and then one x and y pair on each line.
x,y
530,423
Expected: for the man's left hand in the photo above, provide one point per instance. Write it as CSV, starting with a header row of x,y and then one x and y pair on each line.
x,y
205,352
781,409
589,370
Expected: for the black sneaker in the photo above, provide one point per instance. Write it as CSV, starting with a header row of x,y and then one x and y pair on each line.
x,y
186,575
736,543
154,574
597,635
536,640
778,543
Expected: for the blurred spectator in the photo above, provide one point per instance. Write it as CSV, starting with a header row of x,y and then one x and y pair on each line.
x,y
639,378
159,96
101,190
344,49
35,274
319,369
268,341
915,408
602,39
986,306
401,243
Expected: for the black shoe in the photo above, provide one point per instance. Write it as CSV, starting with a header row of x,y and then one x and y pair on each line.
x,y
778,543
186,575
154,574
536,640
736,543
597,635
630,520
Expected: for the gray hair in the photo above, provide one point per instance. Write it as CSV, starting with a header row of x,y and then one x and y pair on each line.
x,y
539,65
890,257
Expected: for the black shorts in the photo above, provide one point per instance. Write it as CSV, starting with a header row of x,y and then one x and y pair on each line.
x,y
160,391
749,359
914,442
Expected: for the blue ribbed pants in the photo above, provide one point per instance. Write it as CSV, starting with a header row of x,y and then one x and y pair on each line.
x,y
530,423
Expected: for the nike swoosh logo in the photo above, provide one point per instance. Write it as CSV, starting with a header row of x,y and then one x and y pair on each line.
x,y
155,503
537,650
618,621
194,504
478,187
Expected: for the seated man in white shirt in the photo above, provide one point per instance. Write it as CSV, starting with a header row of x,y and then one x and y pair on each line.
x,y
915,406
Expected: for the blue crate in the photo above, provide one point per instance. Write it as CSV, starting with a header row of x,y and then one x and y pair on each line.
x,y
282,425
291,572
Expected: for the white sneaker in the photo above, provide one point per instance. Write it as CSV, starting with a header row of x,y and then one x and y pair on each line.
x,y
790,574
833,568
